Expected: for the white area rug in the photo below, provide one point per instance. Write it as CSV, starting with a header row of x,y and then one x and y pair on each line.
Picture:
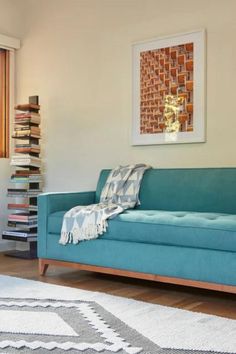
x,y
120,325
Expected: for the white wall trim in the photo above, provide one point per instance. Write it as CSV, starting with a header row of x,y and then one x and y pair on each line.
x,y
9,42
7,245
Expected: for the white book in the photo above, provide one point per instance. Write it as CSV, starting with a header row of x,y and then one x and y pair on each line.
x,y
25,163
24,156
19,233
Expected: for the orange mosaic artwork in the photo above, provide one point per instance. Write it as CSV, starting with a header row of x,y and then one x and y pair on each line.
x,y
166,71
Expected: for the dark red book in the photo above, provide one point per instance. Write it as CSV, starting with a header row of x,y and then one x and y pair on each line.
x,y
17,206
29,107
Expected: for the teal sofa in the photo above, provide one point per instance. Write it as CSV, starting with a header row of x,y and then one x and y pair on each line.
x,y
184,231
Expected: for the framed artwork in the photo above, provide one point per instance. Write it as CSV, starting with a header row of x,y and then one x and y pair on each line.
x,y
168,90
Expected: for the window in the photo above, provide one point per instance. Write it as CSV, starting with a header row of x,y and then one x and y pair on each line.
x,y
8,45
4,102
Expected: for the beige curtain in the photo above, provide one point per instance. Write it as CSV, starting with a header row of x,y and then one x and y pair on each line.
x,y
4,103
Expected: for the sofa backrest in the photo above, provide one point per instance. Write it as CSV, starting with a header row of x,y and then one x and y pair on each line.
x,y
192,189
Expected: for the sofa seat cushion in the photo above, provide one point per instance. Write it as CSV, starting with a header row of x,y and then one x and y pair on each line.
x,y
187,229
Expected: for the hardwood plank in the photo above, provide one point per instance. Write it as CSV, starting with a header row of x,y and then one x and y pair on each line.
x,y
199,300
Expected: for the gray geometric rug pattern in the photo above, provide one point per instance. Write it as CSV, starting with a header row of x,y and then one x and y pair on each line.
x,y
62,326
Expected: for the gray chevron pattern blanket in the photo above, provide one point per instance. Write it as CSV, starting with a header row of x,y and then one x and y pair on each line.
x,y
119,193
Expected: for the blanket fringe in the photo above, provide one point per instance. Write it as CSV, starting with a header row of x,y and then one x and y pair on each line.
x,y
89,232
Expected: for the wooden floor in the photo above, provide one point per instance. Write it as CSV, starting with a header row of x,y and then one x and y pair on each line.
x,y
210,302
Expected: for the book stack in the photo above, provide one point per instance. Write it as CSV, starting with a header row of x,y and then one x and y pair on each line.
x,y
26,146
25,160
26,131
26,179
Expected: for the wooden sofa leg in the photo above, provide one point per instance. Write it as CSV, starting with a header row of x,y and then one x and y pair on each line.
x,y
42,267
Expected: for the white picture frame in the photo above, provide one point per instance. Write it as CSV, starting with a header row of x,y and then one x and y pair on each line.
x,y
150,90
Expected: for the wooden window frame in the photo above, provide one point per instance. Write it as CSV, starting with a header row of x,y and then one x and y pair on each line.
x,y
4,102
8,45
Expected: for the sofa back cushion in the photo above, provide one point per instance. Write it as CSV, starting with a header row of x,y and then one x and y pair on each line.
x,y
192,189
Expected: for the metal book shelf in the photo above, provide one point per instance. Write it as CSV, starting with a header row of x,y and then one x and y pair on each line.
x,y
26,179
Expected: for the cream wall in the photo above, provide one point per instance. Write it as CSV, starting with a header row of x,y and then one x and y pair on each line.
x,y
76,55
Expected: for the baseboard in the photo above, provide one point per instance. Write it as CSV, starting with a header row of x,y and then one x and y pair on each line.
x,y
6,245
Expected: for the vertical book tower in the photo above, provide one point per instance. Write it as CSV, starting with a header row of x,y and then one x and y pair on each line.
x,y
26,179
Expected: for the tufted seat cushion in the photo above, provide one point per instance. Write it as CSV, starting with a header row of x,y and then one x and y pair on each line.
x,y
188,229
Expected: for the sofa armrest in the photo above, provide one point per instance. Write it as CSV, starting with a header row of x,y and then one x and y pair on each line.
x,y
51,202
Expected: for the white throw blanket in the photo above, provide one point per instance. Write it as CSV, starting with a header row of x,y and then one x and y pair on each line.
x,y
119,193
